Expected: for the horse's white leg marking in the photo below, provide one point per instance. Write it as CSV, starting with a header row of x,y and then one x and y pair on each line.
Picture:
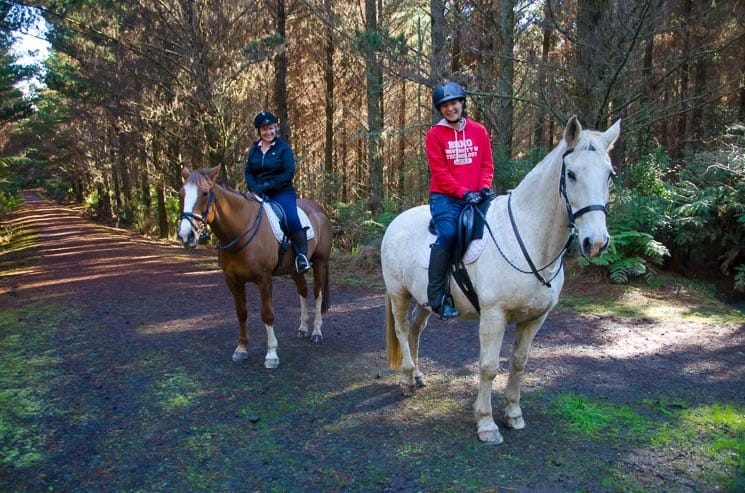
x,y
400,308
271,360
318,320
302,330
524,335
491,333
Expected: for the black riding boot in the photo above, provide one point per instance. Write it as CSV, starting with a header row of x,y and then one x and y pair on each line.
x,y
300,242
438,292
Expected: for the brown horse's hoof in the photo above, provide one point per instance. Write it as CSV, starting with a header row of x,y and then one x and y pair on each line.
x,y
317,339
302,334
271,363
419,382
239,356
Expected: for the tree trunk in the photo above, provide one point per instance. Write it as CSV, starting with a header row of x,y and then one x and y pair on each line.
x,y
280,70
439,57
374,74
328,72
505,108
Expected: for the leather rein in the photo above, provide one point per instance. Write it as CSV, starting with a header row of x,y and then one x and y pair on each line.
x,y
571,225
200,223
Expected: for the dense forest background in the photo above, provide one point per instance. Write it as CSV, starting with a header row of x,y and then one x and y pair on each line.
x,y
135,90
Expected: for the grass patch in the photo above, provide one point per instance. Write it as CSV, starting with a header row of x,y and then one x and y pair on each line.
x,y
712,435
657,304
28,372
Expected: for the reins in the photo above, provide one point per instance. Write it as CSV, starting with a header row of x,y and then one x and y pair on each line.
x,y
204,232
571,225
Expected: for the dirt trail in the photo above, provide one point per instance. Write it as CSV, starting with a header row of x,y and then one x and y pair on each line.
x,y
127,349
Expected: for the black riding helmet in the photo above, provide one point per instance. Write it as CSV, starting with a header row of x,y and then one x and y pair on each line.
x,y
447,91
264,118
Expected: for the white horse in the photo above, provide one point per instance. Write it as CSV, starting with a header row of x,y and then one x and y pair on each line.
x,y
518,275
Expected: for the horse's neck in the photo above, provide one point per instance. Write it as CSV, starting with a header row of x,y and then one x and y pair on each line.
x,y
539,209
233,213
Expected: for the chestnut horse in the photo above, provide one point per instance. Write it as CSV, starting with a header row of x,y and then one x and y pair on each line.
x,y
519,274
249,252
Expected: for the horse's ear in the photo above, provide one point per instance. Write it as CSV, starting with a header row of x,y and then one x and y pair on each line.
x,y
185,172
610,136
572,131
212,173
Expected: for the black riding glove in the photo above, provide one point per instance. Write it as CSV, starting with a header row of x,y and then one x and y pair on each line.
x,y
487,194
472,198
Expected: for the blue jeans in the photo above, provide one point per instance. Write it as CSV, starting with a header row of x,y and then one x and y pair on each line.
x,y
288,201
445,211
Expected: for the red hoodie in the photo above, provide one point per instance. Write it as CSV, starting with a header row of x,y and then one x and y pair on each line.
x,y
459,160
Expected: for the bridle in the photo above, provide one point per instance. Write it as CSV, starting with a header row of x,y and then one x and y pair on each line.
x,y
571,225
201,227
200,224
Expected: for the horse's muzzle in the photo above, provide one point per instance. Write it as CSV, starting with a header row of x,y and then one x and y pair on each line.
x,y
591,249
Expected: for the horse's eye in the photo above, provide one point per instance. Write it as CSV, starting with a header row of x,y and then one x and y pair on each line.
x,y
205,193
571,175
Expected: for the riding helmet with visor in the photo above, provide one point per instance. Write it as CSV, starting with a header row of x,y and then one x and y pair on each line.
x,y
264,118
447,91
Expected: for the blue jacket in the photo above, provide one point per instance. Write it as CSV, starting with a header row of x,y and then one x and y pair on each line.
x,y
272,172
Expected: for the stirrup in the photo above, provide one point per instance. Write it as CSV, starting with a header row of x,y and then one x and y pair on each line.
x,y
302,264
447,308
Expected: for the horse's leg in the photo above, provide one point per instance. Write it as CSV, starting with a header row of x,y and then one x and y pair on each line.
x,y
271,360
399,309
491,333
320,286
524,334
417,321
238,290
302,290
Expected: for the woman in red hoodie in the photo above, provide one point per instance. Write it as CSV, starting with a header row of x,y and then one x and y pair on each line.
x,y
461,172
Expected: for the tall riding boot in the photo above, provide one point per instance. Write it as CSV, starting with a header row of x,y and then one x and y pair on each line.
x,y
300,242
438,289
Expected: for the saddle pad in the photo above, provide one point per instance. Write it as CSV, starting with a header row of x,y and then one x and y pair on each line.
x,y
274,221
475,248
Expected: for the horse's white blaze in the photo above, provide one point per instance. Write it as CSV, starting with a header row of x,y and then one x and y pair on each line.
x,y
508,292
190,198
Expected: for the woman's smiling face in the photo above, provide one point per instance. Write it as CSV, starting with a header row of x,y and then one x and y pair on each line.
x,y
268,132
452,111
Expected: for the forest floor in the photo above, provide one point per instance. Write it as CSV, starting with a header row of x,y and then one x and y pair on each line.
x,y
116,375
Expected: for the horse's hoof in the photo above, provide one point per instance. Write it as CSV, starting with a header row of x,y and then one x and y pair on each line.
x,y
419,382
407,390
239,356
515,423
491,436
271,363
302,334
317,339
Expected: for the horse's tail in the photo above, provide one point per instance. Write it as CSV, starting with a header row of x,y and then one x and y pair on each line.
x,y
391,341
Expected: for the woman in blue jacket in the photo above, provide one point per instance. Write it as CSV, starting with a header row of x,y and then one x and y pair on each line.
x,y
269,170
